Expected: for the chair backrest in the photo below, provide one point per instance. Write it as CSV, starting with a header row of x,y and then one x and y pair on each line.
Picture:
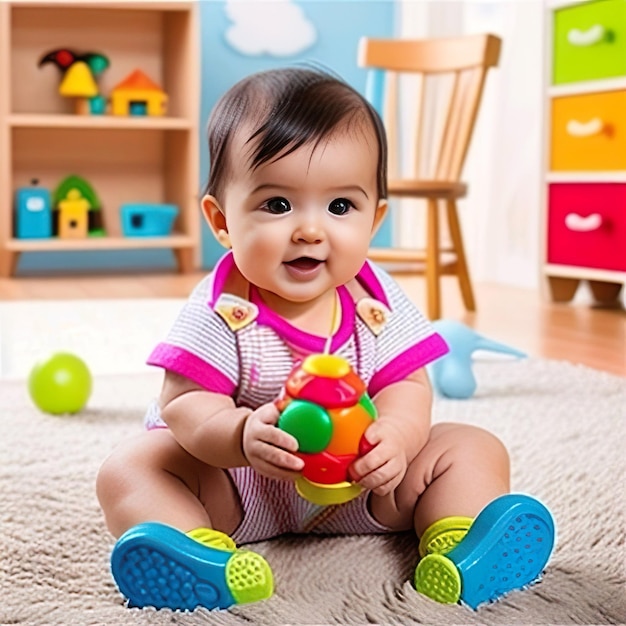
x,y
443,80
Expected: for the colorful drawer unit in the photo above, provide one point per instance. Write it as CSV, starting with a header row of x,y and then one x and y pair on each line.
x,y
589,132
589,41
587,225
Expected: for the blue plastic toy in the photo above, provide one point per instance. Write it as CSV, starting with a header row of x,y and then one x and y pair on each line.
x,y
452,375
33,212
147,219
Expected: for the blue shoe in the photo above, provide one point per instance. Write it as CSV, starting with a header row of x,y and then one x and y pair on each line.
x,y
506,548
157,565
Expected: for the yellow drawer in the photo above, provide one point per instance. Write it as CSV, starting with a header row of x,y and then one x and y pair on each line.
x,y
589,132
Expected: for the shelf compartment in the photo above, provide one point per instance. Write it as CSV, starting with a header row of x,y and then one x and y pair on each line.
x,y
587,226
589,132
121,165
155,39
589,41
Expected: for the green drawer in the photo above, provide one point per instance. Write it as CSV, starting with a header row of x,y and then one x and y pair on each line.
x,y
590,41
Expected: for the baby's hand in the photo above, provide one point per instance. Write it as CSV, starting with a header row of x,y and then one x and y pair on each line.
x,y
382,468
269,449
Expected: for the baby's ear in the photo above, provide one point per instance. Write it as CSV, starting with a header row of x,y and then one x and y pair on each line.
x,y
216,219
379,215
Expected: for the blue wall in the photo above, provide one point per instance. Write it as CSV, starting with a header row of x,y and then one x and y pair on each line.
x,y
339,24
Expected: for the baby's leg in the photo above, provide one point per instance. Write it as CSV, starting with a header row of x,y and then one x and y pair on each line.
x,y
166,505
459,471
477,541
152,478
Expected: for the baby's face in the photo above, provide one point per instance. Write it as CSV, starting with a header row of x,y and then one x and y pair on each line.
x,y
301,225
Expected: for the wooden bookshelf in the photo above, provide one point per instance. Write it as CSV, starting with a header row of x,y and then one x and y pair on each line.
x,y
125,158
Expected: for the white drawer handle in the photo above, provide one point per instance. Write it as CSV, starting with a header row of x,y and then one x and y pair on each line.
x,y
585,129
588,37
581,224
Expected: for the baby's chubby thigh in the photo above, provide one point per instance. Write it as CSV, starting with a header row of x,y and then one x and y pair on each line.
x,y
151,477
458,471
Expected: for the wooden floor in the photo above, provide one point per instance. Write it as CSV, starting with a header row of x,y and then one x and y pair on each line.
x,y
578,332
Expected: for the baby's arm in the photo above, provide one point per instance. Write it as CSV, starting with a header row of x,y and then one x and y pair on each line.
x,y
217,432
399,433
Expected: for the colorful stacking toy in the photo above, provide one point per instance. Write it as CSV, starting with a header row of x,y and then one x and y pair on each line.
x,y
325,406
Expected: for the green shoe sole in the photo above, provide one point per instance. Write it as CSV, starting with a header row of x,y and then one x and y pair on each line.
x,y
438,578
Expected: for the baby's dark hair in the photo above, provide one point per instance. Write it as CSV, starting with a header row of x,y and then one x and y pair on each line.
x,y
288,108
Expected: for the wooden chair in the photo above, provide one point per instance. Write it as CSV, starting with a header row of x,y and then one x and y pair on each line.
x,y
447,78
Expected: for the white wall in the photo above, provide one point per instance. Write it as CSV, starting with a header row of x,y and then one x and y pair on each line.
x,y
500,216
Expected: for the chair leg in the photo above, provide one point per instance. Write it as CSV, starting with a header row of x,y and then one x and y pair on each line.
x,y
433,261
465,284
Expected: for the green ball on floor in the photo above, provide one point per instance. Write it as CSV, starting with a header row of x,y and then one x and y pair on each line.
x,y
60,384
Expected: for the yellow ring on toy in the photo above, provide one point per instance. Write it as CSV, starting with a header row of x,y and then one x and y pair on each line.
x,y
325,495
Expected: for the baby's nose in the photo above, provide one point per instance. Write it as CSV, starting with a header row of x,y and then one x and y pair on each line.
x,y
309,231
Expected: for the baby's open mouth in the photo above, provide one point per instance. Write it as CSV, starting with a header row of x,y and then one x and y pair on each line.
x,y
304,263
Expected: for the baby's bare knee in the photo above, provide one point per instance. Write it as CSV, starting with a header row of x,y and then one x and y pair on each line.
x,y
483,456
114,476
472,446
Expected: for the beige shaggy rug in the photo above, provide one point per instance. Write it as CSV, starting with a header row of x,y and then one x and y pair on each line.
x,y
564,426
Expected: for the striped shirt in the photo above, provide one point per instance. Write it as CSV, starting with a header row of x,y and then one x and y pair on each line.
x,y
243,349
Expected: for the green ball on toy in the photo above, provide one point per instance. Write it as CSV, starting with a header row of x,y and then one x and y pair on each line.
x,y
60,384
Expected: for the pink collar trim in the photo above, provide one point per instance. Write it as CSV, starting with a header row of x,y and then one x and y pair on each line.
x,y
314,343
220,273
301,339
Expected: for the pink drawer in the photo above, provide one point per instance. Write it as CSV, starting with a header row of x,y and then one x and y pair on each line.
x,y
587,225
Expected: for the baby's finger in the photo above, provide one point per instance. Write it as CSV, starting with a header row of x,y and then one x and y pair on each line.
x,y
267,414
280,438
388,487
364,465
280,458
378,477
267,469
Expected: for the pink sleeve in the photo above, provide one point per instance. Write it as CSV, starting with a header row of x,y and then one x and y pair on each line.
x,y
200,347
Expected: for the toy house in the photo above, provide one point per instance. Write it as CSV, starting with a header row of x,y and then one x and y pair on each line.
x,y
138,94
73,216
74,200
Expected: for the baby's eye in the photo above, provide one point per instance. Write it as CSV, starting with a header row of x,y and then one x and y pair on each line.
x,y
340,206
277,206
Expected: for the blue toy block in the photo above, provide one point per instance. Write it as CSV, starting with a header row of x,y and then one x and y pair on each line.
x,y
147,220
33,213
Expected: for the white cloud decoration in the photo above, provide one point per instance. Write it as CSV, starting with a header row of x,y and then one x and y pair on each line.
x,y
277,28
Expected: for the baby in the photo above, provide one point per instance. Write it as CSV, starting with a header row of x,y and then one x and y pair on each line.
x,y
296,191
